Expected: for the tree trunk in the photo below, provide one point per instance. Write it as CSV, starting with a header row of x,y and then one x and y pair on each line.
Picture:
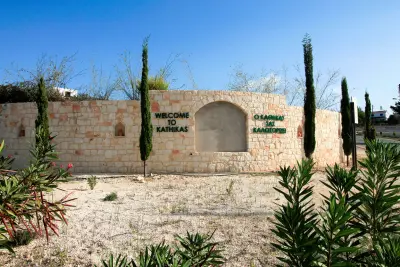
x,y
347,161
144,168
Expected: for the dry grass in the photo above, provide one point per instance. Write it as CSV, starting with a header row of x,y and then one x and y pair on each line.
x,y
239,207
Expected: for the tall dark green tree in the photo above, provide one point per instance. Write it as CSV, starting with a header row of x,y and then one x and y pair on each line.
x,y
42,120
309,99
369,131
346,120
146,134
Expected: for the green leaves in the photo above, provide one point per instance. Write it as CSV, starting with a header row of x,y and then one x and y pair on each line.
x,y
146,134
341,182
23,204
194,250
309,98
359,222
117,262
379,213
197,250
346,120
335,233
296,219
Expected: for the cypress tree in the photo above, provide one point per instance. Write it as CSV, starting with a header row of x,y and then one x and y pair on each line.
x,y
369,131
346,120
146,133
309,99
42,119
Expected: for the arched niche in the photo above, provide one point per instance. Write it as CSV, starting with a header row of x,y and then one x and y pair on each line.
x,y
119,129
220,127
21,132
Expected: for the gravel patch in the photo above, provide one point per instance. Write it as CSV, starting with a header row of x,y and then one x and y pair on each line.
x,y
155,209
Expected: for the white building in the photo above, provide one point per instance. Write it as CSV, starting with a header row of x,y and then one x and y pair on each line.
x,y
66,92
379,115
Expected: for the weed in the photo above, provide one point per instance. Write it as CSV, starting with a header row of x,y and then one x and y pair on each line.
x,y
22,237
229,189
179,208
61,257
92,181
111,197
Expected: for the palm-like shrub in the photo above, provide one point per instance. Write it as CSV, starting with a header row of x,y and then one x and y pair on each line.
x,y
296,218
358,224
23,202
194,250
379,213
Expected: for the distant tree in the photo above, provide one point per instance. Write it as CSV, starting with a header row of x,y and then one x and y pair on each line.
x,y
394,119
42,120
361,116
244,82
102,85
146,134
369,132
396,107
309,99
325,95
55,73
346,120
129,84
279,82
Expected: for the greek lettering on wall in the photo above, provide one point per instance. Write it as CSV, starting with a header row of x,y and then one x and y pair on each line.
x,y
270,121
170,119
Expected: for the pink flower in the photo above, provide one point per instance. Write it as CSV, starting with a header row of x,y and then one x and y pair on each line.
x,y
70,165
9,156
53,164
61,166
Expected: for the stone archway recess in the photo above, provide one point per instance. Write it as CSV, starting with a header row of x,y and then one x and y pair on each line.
x,y
220,127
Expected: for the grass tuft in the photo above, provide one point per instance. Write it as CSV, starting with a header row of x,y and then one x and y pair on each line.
x,y
111,197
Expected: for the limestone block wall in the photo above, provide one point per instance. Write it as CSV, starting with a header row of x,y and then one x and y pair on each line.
x,y
86,134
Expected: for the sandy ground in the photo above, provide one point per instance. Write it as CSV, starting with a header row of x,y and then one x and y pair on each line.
x,y
157,209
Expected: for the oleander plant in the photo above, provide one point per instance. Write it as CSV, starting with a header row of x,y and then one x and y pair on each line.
x,y
24,202
358,223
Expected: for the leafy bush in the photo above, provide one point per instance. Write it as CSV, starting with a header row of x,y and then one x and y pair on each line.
x,y
92,181
156,83
358,223
110,197
22,237
23,205
26,92
393,119
193,250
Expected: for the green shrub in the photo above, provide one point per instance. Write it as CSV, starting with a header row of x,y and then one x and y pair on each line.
x,y
92,181
110,197
22,237
357,225
22,207
192,250
156,83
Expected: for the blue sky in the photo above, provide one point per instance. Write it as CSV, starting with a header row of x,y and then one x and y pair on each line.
x,y
360,38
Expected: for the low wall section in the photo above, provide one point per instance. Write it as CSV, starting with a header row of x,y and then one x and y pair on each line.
x,y
210,131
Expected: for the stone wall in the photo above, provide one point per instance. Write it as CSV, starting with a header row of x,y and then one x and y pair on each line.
x,y
86,134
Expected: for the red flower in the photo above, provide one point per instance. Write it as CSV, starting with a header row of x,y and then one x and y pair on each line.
x,y
61,166
9,156
53,164
70,165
